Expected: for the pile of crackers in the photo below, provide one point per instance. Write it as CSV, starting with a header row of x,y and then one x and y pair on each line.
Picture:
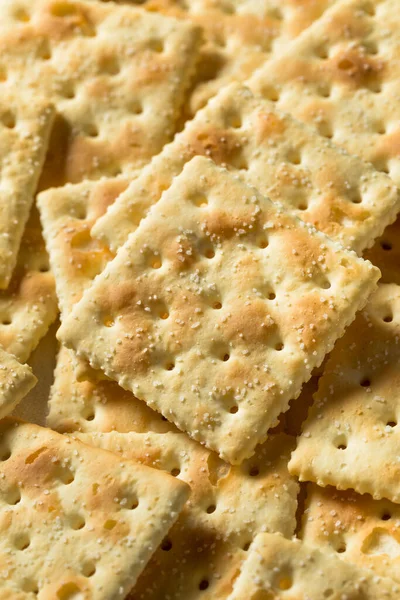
x,y
200,273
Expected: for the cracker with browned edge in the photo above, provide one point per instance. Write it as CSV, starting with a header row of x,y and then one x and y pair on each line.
x,y
75,520
239,35
96,405
228,506
16,381
339,194
116,74
29,305
351,436
25,125
385,254
341,76
280,568
357,528
218,308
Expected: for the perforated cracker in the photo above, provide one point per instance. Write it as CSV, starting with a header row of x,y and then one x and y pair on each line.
x,y
355,527
76,520
227,507
117,75
341,76
15,382
29,305
280,568
217,309
239,35
351,436
385,254
322,185
94,405
25,125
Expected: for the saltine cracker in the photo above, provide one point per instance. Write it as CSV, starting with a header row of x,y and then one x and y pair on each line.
x,y
16,381
174,301
351,436
76,520
339,194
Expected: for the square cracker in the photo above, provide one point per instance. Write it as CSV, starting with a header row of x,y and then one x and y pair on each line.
x,y
239,35
280,568
357,528
339,194
173,319
116,74
25,125
76,520
385,254
29,305
227,507
16,381
342,76
351,436
96,405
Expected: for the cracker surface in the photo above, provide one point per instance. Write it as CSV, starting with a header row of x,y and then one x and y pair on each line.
x,y
341,76
350,438
280,568
228,506
117,76
219,283
76,520
319,183
16,381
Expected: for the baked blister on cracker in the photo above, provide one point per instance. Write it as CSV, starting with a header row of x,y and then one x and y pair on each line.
x,y
117,76
351,436
227,508
25,126
74,519
280,568
16,380
318,182
218,308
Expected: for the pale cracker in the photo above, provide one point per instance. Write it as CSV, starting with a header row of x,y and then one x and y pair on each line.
x,y
227,507
16,381
321,184
385,254
25,125
76,521
280,568
29,305
95,405
342,76
351,436
357,528
174,320
240,35
116,74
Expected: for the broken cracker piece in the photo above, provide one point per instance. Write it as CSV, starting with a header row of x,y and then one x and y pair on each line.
x,y
280,568
228,506
351,436
76,520
16,381
174,320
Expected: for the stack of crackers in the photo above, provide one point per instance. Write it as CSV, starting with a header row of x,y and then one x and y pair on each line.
x,y
198,199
